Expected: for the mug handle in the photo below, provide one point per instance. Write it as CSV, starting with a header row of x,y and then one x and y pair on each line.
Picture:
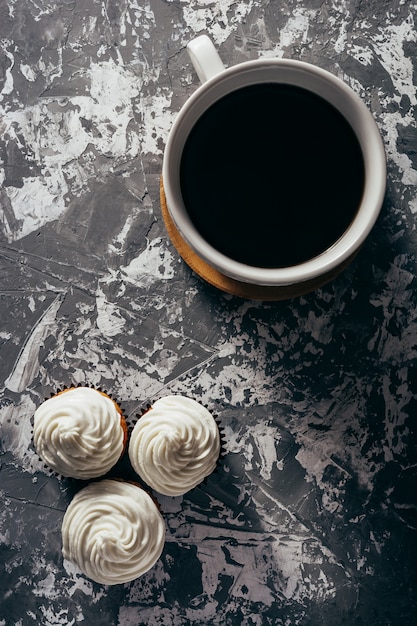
x,y
204,57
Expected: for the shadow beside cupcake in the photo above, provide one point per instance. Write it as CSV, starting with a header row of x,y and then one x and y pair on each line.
x,y
81,433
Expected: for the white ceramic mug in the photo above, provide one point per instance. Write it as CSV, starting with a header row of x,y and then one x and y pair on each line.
x,y
218,82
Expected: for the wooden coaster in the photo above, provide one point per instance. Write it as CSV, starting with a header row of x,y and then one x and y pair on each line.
x,y
230,285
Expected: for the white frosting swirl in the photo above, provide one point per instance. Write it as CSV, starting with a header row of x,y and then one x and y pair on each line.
x,y
113,531
78,433
174,445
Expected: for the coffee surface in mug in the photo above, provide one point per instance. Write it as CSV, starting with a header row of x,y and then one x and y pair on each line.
x,y
271,175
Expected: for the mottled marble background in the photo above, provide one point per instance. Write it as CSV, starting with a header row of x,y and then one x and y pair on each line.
x,y
312,517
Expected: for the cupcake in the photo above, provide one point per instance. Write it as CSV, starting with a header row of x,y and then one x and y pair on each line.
x,y
113,532
174,445
80,432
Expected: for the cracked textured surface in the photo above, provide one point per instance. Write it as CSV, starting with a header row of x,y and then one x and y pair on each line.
x,y
311,517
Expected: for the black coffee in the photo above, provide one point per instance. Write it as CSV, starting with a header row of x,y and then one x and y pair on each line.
x,y
272,175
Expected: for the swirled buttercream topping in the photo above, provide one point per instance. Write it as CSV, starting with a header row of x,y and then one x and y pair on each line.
x,y
78,433
113,531
175,445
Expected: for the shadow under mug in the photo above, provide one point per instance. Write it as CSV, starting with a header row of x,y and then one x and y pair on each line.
x,y
217,83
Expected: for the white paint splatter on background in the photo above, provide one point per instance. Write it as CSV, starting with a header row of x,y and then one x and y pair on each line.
x,y
155,263
78,582
296,28
157,120
27,364
109,320
53,132
16,433
8,82
219,18
265,437
36,203
389,47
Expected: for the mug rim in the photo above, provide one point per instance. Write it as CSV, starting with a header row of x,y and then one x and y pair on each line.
x,y
356,113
